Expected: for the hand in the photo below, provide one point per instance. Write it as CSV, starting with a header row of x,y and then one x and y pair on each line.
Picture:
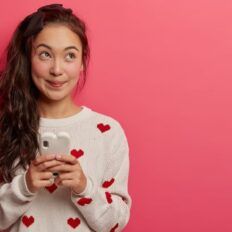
x,y
37,175
70,173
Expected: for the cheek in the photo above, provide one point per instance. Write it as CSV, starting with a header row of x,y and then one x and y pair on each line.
x,y
73,71
39,69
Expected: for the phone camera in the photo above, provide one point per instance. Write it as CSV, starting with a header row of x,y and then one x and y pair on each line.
x,y
45,143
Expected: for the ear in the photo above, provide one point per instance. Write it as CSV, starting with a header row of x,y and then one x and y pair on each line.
x,y
82,67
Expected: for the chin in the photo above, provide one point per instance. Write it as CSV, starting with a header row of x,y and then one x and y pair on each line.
x,y
58,98
55,97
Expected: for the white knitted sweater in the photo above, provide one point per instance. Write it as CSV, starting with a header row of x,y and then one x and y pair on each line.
x,y
105,203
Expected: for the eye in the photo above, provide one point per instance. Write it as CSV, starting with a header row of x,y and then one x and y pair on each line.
x,y
44,54
71,56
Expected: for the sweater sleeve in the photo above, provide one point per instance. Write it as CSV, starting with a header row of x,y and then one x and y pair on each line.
x,y
106,208
15,200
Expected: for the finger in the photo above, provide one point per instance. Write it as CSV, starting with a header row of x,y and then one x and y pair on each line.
x,y
67,158
44,183
67,183
45,175
65,176
42,158
64,168
48,164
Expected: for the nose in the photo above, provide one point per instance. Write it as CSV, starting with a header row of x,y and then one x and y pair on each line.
x,y
56,68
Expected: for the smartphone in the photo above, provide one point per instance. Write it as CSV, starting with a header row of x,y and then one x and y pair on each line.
x,y
51,143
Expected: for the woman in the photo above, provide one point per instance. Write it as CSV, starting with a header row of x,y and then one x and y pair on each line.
x,y
47,58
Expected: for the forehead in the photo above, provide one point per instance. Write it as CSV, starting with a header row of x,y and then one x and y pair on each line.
x,y
57,36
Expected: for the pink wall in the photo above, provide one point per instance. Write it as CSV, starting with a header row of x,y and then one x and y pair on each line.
x,y
163,69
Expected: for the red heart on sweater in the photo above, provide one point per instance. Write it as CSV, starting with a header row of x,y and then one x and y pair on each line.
x,y
74,222
27,221
76,153
108,197
114,228
103,128
124,199
51,188
84,201
107,184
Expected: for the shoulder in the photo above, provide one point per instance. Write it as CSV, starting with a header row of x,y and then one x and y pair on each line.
x,y
107,123
110,129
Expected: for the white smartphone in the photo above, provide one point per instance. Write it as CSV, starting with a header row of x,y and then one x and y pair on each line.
x,y
51,143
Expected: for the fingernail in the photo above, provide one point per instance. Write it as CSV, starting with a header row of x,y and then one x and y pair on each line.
x,y
58,156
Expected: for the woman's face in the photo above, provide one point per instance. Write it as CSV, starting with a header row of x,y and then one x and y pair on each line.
x,y
56,62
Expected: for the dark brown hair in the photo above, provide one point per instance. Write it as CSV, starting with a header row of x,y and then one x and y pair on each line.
x,y
19,116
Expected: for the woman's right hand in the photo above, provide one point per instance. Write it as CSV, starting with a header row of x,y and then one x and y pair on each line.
x,y
37,175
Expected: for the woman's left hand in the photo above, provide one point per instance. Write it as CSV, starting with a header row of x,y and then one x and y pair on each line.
x,y
70,173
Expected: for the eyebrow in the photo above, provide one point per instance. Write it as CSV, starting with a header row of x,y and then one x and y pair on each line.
x,y
67,48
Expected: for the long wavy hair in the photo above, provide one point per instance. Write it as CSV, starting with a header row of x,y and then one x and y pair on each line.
x,y
19,115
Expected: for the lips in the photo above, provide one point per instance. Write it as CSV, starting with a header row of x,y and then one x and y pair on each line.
x,y
56,83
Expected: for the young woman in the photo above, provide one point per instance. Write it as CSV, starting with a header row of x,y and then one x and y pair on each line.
x,y
47,59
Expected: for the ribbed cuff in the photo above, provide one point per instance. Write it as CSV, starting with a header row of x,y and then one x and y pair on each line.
x,y
20,189
87,191
25,189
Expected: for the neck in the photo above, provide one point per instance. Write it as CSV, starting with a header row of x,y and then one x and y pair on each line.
x,y
57,109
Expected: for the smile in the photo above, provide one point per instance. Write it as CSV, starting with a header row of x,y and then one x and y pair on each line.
x,y
56,84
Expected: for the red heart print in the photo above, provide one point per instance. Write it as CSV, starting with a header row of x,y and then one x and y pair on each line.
x,y
76,153
123,198
27,221
114,228
108,197
107,184
51,188
103,128
74,222
84,201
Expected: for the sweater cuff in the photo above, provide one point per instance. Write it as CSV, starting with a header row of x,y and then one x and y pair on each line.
x,y
25,190
87,191
20,189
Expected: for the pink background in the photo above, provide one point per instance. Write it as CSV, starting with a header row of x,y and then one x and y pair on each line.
x,y
163,69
